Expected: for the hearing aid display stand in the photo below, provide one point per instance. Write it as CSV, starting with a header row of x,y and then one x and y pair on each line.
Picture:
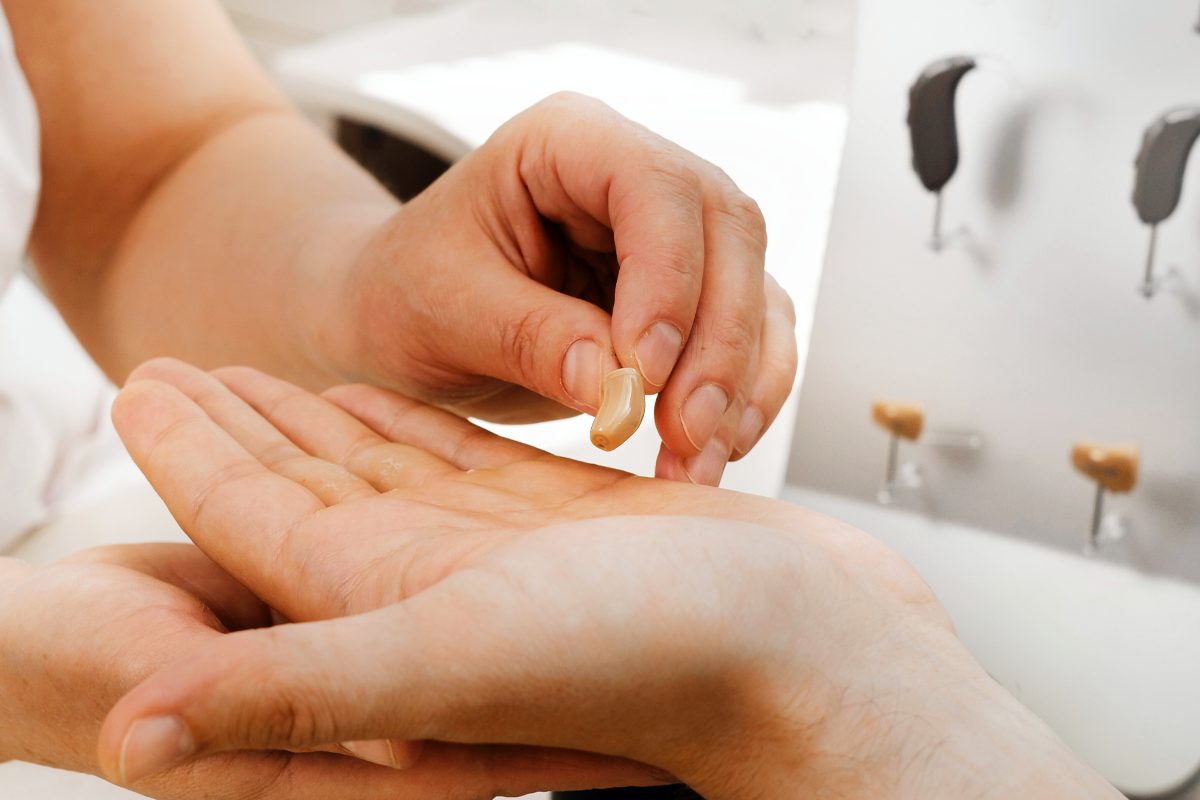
x,y
1029,328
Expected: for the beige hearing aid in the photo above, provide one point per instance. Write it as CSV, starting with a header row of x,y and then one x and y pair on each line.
x,y
1114,468
622,406
904,420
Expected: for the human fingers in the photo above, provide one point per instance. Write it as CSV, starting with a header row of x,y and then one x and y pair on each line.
x,y
446,772
715,373
243,515
329,481
613,185
188,568
445,435
776,373
327,431
292,687
690,247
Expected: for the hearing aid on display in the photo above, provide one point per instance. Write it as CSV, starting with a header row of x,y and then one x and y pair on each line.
x,y
1158,182
1114,468
622,406
934,130
902,421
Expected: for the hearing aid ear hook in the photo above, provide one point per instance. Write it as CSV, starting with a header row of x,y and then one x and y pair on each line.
x,y
934,130
1158,180
622,406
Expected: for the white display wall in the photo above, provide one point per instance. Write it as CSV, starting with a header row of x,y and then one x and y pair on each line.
x,y
1028,327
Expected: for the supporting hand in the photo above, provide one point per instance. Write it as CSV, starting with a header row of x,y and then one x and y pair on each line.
x,y
746,646
76,635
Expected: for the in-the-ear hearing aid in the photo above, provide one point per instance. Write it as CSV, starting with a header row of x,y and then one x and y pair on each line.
x,y
1158,182
622,406
1114,468
902,421
934,130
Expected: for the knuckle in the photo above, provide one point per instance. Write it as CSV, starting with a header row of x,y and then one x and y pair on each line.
x,y
734,335
678,259
787,307
156,368
741,214
520,338
566,99
284,714
675,175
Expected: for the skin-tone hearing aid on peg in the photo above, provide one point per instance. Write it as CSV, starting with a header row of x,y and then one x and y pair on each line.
x,y
902,421
622,406
1114,468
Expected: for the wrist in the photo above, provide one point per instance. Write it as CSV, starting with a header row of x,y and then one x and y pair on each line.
x,y
326,294
921,720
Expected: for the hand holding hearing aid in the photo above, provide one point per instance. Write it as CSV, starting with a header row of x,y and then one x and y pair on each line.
x,y
572,244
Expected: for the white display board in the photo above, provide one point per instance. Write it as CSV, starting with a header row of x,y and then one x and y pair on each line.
x,y
1028,328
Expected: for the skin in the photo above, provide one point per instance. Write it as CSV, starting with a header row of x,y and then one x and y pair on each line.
x,y
142,607
181,193
187,209
751,648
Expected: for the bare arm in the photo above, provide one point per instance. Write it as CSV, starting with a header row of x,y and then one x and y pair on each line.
x,y
186,208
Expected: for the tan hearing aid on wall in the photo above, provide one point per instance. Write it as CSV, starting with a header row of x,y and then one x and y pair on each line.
x,y
901,419
622,406
1114,468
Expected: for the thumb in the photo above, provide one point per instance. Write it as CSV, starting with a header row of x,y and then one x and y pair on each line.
x,y
409,672
528,334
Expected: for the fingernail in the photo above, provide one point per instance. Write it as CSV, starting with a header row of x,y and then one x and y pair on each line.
x,y
151,745
582,373
749,429
702,414
656,353
377,751
708,467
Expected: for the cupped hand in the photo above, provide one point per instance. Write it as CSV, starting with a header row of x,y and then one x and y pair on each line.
x,y
505,595
80,633
572,243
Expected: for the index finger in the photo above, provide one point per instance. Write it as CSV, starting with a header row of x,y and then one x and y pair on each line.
x,y
612,177
237,511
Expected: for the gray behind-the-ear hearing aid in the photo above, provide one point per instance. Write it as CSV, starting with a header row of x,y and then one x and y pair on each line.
x,y
1161,162
933,129
931,121
1158,181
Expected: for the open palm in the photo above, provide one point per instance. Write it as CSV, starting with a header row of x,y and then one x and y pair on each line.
x,y
559,575
364,498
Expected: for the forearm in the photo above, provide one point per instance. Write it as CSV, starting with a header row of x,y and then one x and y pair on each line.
x,y
238,257
30,729
185,207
